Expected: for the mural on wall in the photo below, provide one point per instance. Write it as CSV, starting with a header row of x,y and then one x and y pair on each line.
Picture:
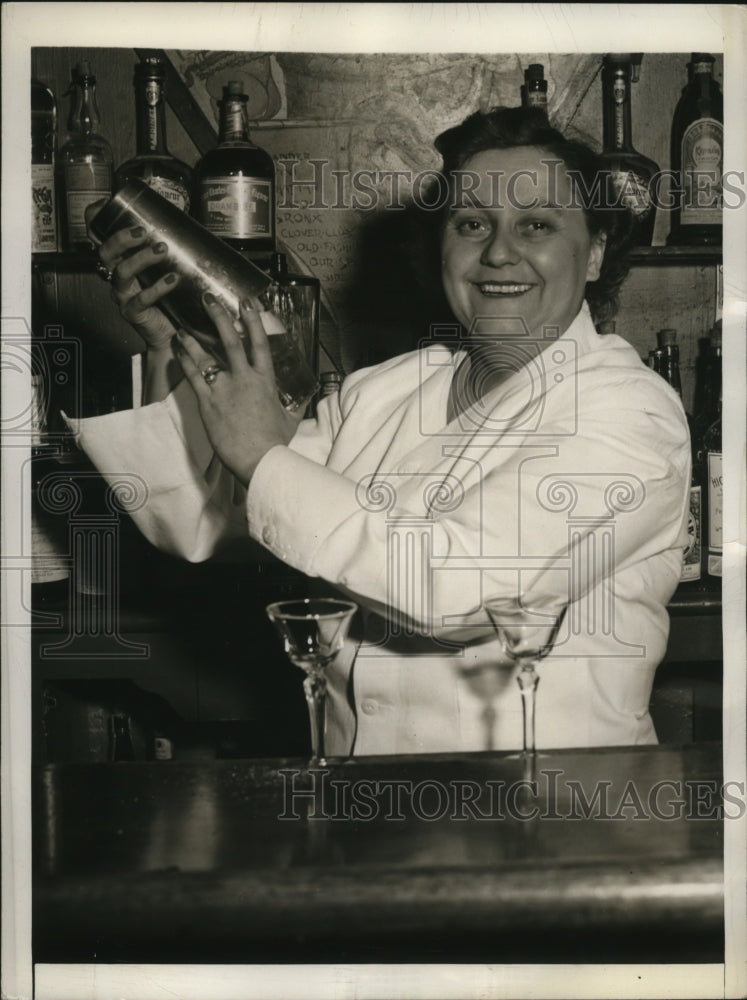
x,y
357,129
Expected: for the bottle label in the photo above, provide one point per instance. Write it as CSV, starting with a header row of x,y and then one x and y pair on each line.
x,y
163,748
632,191
174,193
84,184
715,513
691,558
702,164
618,95
233,126
237,207
536,99
152,95
43,216
49,561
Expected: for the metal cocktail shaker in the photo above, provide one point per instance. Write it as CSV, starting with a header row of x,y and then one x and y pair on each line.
x,y
205,264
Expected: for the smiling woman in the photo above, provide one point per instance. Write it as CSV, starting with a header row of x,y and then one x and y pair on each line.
x,y
511,164
504,464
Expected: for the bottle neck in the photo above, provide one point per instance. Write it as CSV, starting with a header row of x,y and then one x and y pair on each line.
x,y
84,115
617,128
666,363
151,118
703,85
714,386
233,127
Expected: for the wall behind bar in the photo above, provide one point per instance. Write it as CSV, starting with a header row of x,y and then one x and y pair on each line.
x,y
353,113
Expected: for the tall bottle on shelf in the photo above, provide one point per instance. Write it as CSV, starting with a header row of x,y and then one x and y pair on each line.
x,y
43,152
50,562
534,88
631,176
715,489
235,183
697,157
153,163
665,361
708,455
86,162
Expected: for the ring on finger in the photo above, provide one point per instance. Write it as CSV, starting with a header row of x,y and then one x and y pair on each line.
x,y
103,271
210,373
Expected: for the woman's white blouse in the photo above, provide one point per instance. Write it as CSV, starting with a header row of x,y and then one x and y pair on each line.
x,y
571,477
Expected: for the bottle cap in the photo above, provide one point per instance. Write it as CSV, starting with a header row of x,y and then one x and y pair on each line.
x,y
234,91
149,67
82,70
666,338
535,71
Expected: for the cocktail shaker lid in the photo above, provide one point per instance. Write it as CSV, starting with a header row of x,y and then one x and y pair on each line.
x,y
118,211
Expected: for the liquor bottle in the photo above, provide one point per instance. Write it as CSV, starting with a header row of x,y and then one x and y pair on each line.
x,y
43,150
50,560
153,163
235,182
666,341
85,160
708,386
666,362
697,156
534,89
713,453
632,176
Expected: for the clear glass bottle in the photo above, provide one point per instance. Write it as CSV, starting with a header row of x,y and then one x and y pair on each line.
x,y
632,176
153,163
235,182
534,89
86,162
697,157
43,151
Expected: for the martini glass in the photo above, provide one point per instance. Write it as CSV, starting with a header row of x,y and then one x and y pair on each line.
x,y
313,631
527,635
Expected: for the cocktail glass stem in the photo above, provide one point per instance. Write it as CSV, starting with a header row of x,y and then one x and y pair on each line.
x,y
528,679
315,689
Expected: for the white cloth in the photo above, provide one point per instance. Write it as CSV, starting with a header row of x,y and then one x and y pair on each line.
x,y
570,477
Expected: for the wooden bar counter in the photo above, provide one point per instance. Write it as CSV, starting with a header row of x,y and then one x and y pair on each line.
x,y
612,855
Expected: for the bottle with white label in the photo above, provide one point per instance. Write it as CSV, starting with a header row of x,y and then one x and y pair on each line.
x,y
85,160
697,155
235,183
153,163
43,149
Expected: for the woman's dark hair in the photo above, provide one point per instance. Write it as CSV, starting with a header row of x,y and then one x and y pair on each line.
x,y
505,128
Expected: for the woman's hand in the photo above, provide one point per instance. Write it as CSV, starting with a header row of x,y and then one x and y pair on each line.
x,y
126,254
240,408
